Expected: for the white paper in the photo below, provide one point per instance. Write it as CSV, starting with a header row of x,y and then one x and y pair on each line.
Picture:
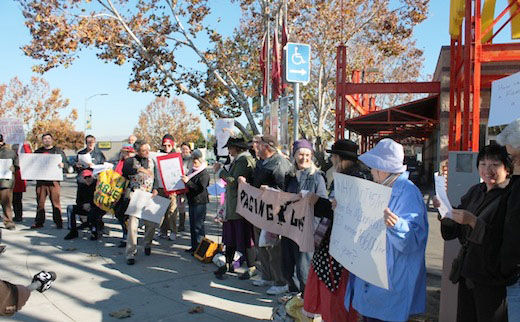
x,y
5,169
358,239
505,100
98,168
172,173
154,155
85,159
40,166
223,130
143,206
440,190
12,130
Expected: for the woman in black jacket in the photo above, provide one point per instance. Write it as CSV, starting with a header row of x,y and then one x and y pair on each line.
x,y
197,181
482,289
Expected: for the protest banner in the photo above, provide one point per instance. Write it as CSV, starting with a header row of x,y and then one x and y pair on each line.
x,y
358,239
39,166
5,169
223,130
280,213
171,172
143,205
109,189
12,130
505,100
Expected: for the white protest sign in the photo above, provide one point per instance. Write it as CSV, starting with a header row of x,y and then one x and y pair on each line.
x,y
171,172
40,166
279,213
5,169
358,239
98,168
440,190
85,159
505,100
143,206
223,130
12,130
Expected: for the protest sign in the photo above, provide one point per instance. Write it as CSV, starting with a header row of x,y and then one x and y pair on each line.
x,y
39,166
223,130
280,213
85,159
505,100
5,169
171,172
98,168
143,205
358,239
12,130
109,189
440,191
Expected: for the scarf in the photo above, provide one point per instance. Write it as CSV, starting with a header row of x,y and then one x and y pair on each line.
x,y
196,170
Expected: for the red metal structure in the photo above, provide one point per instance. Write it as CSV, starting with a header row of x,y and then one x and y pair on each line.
x,y
373,123
472,48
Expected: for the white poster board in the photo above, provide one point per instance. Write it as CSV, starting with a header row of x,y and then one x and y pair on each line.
x,y
223,130
171,172
505,100
358,239
143,206
440,191
12,130
40,166
5,169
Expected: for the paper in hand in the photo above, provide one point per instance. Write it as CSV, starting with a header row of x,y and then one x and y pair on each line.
x,y
440,190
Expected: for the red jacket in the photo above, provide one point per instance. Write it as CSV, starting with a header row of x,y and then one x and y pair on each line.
x,y
19,184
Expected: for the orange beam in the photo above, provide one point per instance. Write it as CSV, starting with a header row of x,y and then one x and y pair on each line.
x,y
392,88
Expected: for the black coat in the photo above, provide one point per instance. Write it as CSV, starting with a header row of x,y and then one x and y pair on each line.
x,y
198,188
510,250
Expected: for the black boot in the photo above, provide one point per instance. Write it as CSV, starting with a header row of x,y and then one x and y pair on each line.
x,y
221,272
73,233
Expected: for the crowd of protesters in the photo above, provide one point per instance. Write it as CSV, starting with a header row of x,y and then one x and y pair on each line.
x,y
486,222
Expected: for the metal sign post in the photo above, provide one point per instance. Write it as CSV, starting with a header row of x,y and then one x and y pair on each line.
x,y
297,70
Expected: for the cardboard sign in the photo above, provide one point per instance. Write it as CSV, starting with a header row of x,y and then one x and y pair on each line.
x,y
143,205
358,239
12,130
505,100
40,166
223,130
279,213
171,172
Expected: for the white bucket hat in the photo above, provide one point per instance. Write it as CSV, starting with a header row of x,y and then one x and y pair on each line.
x,y
387,156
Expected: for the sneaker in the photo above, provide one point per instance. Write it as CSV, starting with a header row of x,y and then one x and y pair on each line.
x,y
45,278
277,290
37,226
172,237
130,261
220,272
147,251
251,271
71,235
261,282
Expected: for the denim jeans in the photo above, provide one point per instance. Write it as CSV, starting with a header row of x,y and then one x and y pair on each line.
x,y
293,259
197,214
513,301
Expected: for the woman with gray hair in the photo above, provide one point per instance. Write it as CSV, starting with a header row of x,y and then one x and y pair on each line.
x,y
510,211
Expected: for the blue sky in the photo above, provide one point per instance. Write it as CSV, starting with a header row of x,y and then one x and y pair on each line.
x,y
116,114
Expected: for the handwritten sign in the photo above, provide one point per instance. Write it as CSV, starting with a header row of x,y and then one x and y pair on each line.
x,y
505,100
5,169
223,130
12,130
440,190
280,213
143,205
358,239
39,166
171,172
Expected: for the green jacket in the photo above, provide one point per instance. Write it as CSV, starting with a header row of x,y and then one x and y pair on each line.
x,y
243,165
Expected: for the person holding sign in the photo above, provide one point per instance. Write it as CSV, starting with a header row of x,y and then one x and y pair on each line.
x,y
49,188
237,232
8,156
19,185
406,235
478,224
510,208
327,278
197,181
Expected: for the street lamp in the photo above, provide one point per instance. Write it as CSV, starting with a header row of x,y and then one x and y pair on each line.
x,y
86,110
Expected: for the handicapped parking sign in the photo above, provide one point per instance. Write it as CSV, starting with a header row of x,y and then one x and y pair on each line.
x,y
297,63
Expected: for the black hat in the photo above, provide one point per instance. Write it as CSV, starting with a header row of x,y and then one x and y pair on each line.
x,y
237,142
344,148
270,140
